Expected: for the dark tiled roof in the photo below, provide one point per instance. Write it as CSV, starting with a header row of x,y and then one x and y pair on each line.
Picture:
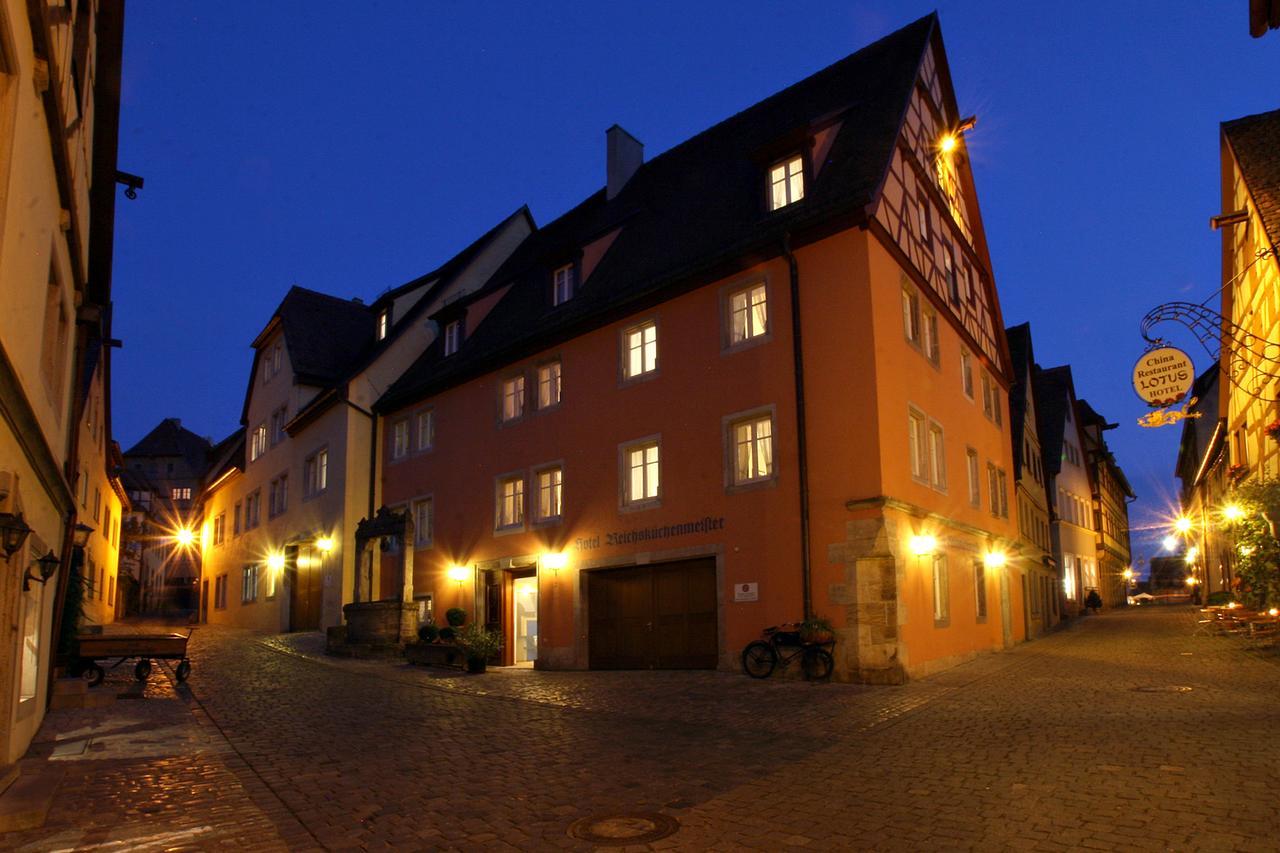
x,y
1022,361
170,438
696,211
324,334
1256,142
225,455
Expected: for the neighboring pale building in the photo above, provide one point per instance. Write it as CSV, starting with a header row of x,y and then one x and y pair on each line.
x,y
280,507
101,498
1035,559
1109,505
59,107
1202,468
1067,486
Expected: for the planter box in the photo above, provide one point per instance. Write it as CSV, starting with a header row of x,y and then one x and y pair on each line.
x,y
435,654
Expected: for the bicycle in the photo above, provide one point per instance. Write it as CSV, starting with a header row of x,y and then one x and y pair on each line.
x,y
761,657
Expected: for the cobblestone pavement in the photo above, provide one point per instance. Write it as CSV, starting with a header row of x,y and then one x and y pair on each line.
x,y
1086,739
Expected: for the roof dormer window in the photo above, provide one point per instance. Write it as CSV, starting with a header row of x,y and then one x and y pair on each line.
x,y
786,182
384,323
452,337
562,281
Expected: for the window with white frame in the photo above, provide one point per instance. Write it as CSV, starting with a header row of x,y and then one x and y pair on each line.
x,y
316,473
641,472
937,457
918,441
220,592
941,589
562,285
253,509
249,584
513,398
966,372
786,182
510,510
1003,485
911,314
1069,577
425,429
640,350
423,522
452,337
980,589
752,449
180,493
549,384
219,528
993,487
931,345
748,313
988,396
400,438
384,323
278,419
550,503
278,500
975,477
258,442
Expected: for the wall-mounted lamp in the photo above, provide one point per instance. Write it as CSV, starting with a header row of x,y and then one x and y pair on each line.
x,y
1233,512
13,532
275,561
459,574
923,545
48,564
80,536
995,559
553,561
325,543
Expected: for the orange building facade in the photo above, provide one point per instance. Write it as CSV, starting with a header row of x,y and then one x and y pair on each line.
x,y
761,376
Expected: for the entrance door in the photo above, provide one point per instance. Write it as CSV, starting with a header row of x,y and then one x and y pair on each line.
x,y
1006,617
305,564
524,630
661,616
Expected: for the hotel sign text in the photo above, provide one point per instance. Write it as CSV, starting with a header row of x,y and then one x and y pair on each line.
x,y
649,534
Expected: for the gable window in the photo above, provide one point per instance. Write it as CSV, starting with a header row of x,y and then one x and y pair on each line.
x,y
510,502
786,182
562,285
452,337
249,584
549,384
966,373
980,589
550,505
911,315
640,350
941,591
752,450
400,438
975,481
426,429
918,441
384,323
316,473
748,313
641,464
512,398
423,522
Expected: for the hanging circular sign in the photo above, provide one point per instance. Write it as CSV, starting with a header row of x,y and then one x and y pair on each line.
x,y
1163,376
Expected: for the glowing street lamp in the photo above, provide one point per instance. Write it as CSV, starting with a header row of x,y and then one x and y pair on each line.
x,y
275,561
1192,553
325,543
995,559
1170,543
1233,512
184,536
1182,525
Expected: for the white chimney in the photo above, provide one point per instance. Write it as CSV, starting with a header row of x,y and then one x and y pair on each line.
x,y
624,154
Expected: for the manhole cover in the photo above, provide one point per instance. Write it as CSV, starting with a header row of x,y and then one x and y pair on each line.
x,y
621,830
1163,688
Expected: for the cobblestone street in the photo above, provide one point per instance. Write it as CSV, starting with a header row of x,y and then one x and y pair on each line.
x,y
1081,740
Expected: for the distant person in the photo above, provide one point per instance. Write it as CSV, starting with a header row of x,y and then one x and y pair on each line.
x,y
1093,601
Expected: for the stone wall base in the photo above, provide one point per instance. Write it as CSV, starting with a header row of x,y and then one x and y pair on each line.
x,y
381,622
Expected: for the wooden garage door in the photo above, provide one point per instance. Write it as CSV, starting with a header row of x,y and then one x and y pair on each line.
x,y
660,616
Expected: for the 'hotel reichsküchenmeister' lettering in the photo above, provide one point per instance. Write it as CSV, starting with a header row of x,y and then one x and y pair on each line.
x,y
647,534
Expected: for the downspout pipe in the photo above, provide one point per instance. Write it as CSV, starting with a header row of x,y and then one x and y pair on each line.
x,y
802,441
373,473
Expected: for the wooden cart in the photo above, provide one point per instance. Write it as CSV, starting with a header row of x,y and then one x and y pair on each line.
x,y
145,647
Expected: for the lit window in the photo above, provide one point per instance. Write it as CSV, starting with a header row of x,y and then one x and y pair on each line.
x,y
786,181
550,494
975,481
249,584
911,315
384,323
748,314
426,430
452,337
980,589
510,502
640,350
258,443
562,285
917,436
512,398
966,373
941,589
549,385
180,493
423,520
753,450
642,473
399,439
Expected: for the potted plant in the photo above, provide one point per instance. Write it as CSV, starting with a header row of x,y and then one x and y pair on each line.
x,y
816,629
428,633
1237,471
478,645
1273,430
456,617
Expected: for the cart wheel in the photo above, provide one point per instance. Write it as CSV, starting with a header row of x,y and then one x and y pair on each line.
x,y
817,664
759,659
142,669
182,671
93,674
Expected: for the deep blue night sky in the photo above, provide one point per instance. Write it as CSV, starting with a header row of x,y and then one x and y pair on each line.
x,y
295,142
